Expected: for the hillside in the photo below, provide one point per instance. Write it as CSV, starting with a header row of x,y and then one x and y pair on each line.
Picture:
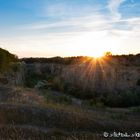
x,y
76,98
5,59
113,80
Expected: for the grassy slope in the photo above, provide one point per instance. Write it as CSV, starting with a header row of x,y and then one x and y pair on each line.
x,y
42,118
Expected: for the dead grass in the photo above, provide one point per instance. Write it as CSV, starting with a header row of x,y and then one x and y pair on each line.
x,y
35,118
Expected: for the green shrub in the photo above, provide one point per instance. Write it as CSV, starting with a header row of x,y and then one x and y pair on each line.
x,y
100,105
57,84
113,100
138,82
51,97
31,78
93,103
130,99
15,67
118,116
5,59
123,99
135,109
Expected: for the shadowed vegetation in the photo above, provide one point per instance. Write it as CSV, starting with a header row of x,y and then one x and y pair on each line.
x,y
56,102
5,59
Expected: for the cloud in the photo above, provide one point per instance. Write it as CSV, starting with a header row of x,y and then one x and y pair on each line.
x,y
61,17
89,22
113,6
70,31
56,10
98,33
67,10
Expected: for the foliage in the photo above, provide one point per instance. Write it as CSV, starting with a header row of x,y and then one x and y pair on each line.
x,y
138,82
58,84
135,109
123,99
57,97
70,87
58,60
108,54
5,59
118,116
15,67
93,103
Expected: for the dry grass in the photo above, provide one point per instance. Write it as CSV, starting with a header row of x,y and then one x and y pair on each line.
x,y
34,118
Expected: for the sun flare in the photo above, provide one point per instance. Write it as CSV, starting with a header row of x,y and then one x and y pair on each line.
x,y
91,44
97,54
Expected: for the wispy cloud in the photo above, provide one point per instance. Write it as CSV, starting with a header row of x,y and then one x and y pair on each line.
x,y
87,23
113,6
65,10
67,30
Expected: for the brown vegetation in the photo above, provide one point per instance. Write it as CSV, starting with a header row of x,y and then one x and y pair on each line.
x,y
68,98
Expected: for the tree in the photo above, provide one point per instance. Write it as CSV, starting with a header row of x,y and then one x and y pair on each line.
x,y
108,54
5,59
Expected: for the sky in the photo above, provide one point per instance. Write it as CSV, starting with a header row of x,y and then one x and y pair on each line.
x,y
47,28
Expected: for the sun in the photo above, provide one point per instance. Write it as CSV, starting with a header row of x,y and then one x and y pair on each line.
x,y
97,54
90,44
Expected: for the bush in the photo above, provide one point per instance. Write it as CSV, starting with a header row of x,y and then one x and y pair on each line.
x,y
57,84
135,109
93,103
113,100
123,99
57,98
15,67
138,82
118,116
5,59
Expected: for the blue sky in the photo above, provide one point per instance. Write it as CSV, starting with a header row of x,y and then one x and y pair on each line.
x,y
69,27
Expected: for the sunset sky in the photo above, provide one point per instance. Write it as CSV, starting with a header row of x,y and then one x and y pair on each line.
x,y
46,28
